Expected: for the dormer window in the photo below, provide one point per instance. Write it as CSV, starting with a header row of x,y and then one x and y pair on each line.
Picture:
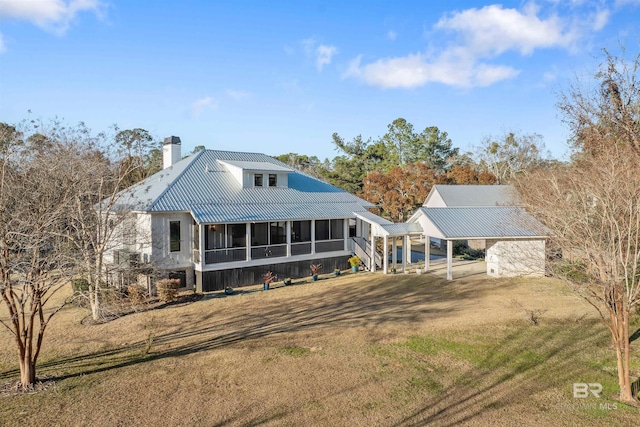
x,y
257,180
273,180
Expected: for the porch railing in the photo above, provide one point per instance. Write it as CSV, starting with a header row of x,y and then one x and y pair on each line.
x,y
225,255
260,252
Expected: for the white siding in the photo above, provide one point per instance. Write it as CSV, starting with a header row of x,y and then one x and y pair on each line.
x,y
161,255
511,258
435,201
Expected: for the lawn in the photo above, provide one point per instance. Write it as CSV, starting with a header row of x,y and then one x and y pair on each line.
x,y
356,350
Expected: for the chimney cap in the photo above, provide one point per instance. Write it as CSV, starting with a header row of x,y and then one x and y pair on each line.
x,y
172,140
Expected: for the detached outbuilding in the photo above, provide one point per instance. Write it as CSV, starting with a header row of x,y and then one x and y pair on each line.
x,y
514,240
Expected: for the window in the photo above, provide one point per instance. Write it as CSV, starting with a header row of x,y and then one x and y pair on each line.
x,y
278,232
300,231
196,235
257,180
174,236
337,229
260,234
322,229
273,180
224,236
329,229
238,235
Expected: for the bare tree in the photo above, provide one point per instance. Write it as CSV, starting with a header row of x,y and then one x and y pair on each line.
x,y
34,236
511,154
592,205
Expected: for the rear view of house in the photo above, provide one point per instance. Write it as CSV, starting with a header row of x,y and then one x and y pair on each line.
x,y
220,218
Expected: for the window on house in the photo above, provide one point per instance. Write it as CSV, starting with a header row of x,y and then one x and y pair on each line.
x,y
174,236
260,234
238,234
224,236
352,228
301,231
257,180
196,235
273,180
278,232
322,229
337,229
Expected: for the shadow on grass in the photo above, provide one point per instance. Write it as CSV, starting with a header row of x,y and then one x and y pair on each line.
x,y
382,301
538,359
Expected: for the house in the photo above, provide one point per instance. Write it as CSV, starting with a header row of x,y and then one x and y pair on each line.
x,y
515,241
221,218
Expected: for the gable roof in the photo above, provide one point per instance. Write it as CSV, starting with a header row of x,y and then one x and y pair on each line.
x,y
474,195
484,223
202,185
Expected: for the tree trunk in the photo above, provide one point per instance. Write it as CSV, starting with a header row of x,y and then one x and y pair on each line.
x,y
27,371
94,300
619,318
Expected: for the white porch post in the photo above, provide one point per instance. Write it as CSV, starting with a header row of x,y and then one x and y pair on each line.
x,y
385,255
407,245
288,225
201,243
313,236
345,233
372,254
427,252
248,232
394,252
449,259
404,253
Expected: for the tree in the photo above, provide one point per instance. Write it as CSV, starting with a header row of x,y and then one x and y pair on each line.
x,y
310,165
35,202
592,205
138,153
468,175
511,154
401,190
404,146
359,158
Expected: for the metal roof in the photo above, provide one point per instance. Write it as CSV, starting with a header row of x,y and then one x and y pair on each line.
x,y
402,228
257,166
484,222
202,185
476,195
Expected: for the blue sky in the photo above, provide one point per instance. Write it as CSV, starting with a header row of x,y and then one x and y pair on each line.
x,y
283,76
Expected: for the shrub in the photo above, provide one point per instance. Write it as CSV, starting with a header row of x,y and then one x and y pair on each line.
x,y
168,289
315,268
137,294
269,277
80,285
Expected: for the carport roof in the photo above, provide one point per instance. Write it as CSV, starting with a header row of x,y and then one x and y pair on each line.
x,y
498,222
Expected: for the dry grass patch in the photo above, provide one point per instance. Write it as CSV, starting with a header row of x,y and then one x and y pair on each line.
x,y
356,350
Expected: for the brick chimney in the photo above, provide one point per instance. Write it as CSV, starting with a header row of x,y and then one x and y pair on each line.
x,y
171,151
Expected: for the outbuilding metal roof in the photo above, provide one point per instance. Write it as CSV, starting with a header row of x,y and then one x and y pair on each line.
x,y
202,185
457,196
484,222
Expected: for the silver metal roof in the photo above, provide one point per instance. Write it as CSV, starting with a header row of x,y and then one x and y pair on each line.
x,y
203,186
402,228
485,222
258,166
476,195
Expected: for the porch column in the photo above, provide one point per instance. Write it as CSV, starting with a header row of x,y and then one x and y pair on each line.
x,y
385,255
449,259
407,251
427,252
345,233
248,233
394,252
201,243
288,225
403,242
313,236
372,254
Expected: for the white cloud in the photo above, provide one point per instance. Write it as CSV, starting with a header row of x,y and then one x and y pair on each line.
x,y
493,30
51,15
324,54
478,36
199,105
237,95
391,35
